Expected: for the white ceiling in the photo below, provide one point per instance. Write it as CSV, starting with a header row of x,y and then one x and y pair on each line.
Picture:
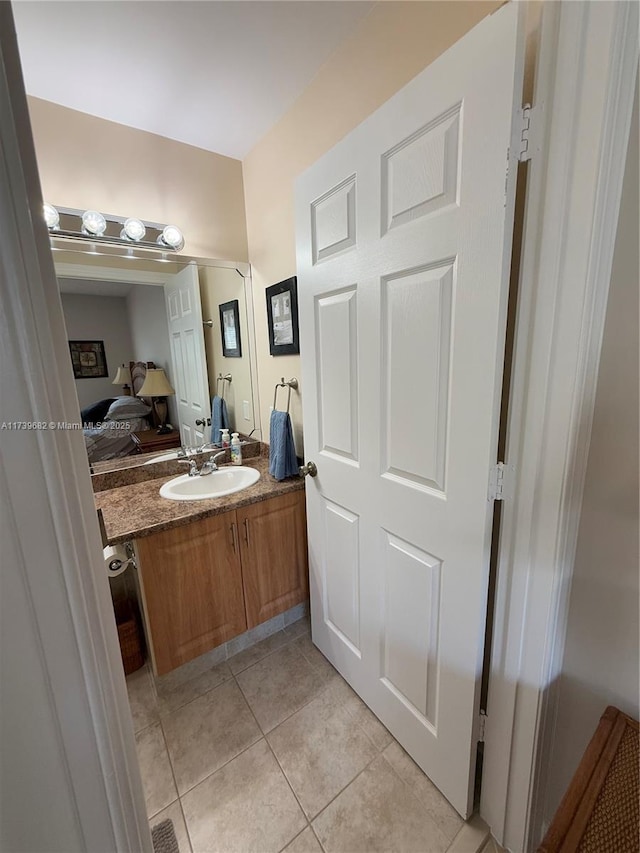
x,y
216,73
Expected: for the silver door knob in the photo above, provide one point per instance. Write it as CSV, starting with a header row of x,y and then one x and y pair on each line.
x,y
202,422
309,469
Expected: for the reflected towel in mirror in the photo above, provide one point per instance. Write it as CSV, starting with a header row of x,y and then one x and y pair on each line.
x,y
282,450
219,419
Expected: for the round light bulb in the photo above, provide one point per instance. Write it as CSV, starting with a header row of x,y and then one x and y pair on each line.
x,y
133,229
94,223
51,217
172,237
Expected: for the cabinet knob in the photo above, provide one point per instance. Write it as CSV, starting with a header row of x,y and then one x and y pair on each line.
x,y
309,469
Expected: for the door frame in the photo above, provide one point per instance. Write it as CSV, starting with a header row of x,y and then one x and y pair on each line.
x,y
582,113
67,622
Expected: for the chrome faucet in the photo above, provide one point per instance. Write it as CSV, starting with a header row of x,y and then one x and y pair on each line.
x,y
212,463
207,467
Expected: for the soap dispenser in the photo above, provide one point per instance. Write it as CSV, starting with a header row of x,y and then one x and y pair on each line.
x,y
236,449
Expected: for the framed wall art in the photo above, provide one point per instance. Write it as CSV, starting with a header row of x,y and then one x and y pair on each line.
x,y
282,316
88,359
230,329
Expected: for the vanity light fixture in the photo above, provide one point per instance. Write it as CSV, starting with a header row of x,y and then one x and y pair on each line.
x,y
70,223
94,223
51,217
133,229
172,238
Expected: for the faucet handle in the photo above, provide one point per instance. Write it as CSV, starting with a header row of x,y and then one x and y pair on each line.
x,y
193,468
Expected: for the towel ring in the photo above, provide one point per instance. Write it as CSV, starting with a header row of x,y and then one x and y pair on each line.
x,y
223,379
291,383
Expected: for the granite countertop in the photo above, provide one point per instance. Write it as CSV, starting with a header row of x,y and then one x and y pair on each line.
x,y
137,510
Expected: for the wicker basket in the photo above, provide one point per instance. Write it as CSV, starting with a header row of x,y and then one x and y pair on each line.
x,y
129,636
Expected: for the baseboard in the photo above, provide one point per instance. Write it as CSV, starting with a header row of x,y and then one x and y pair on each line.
x,y
472,838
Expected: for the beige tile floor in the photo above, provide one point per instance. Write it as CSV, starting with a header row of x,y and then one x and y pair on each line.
x,y
271,750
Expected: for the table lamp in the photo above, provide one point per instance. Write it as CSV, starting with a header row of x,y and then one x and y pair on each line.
x,y
156,385
123,377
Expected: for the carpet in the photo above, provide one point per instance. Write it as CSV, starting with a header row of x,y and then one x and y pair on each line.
x,y
164,838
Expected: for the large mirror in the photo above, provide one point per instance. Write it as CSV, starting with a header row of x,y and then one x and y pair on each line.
x,y
190,317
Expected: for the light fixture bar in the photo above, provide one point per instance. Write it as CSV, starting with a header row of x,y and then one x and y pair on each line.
x,y
113,241
110,217
112,235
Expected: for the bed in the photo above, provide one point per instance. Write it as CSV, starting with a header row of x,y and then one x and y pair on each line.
x,y
109,423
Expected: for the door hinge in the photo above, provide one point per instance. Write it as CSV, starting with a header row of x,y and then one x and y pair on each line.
x,y
482,727
500,481
527,129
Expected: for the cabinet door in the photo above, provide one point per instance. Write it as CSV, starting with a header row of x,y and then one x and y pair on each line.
x,y
273,537
192,588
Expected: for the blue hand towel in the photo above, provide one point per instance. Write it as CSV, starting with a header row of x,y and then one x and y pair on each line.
x,y
282,450
219,419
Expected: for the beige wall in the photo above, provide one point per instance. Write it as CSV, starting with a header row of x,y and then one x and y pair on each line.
x,y
99,318
601,657
393,44
219,285
89,162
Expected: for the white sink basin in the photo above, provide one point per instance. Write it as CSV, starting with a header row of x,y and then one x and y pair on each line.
x,y
224,481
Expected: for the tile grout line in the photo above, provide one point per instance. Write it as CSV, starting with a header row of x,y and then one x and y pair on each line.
x,y
324,689
415,796
287,642
186,825
341,791
222,766
175,782
195,698
173,773
228,678
322,847
320,692
377,754
286,778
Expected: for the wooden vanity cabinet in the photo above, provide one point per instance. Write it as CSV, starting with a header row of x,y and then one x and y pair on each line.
x,y
191,582
207,581
273,544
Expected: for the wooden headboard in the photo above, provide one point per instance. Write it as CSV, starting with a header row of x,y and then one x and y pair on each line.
x,y
138,373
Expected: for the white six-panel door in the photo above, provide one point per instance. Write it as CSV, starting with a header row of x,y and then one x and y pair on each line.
x,y
403,250
184,317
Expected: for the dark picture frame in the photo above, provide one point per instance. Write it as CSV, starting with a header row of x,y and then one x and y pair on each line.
x,y
88,359
230,329
282,316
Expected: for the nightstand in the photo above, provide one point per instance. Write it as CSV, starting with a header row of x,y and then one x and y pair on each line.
x,y
149,441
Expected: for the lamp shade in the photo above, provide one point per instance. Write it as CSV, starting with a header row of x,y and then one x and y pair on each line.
x,y
123,376
155,384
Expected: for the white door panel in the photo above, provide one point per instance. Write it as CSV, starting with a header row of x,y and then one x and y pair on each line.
x,y
403,250
184,315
